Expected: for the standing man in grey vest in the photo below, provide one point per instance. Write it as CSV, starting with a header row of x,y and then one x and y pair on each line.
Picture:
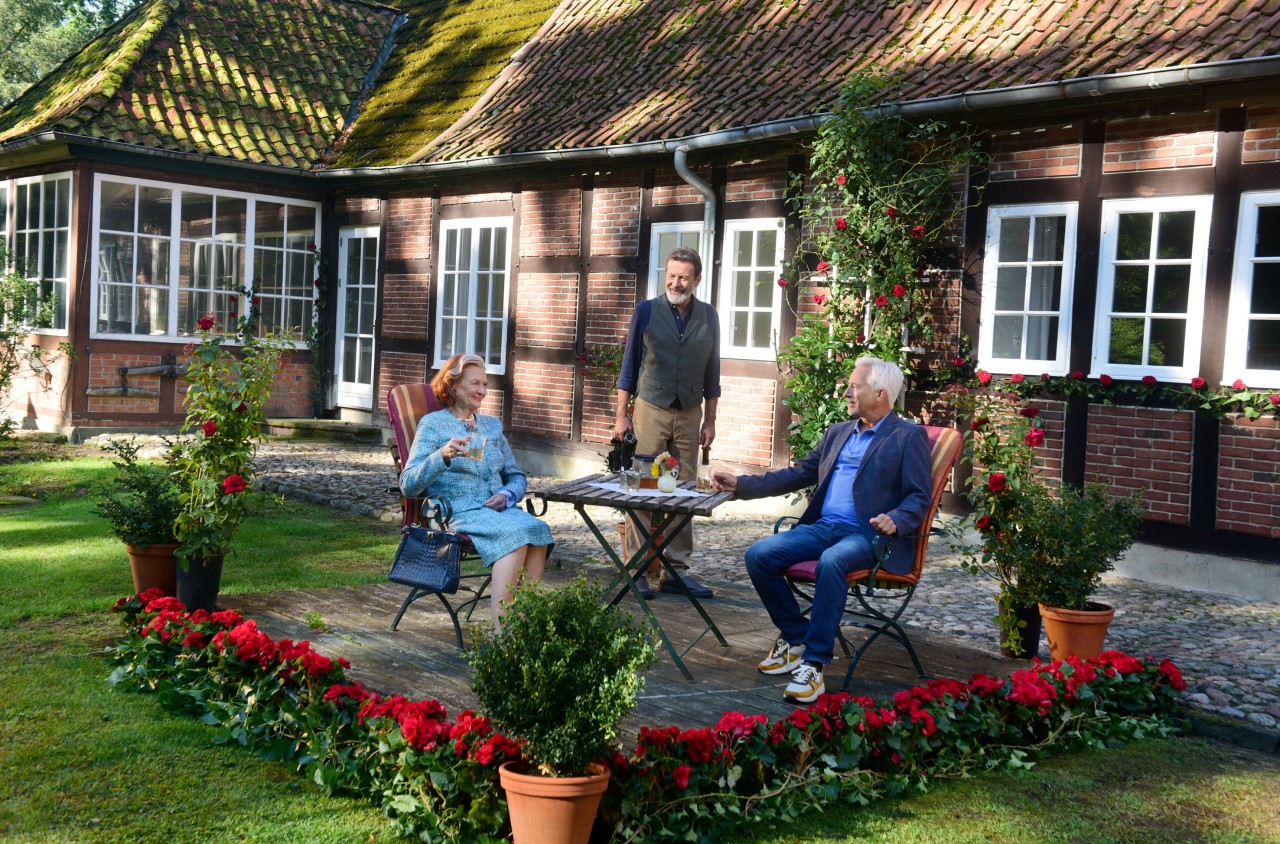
x,y
671,366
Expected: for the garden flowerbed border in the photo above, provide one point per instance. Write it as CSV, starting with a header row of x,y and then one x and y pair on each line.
x,y
437,777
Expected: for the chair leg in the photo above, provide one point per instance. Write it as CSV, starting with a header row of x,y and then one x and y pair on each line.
x,y
453,616
414,594
886,625
471,604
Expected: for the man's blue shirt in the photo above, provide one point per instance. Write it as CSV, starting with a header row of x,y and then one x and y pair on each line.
x,y
837,507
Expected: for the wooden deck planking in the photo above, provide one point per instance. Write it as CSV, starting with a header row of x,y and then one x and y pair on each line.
x,y
421,659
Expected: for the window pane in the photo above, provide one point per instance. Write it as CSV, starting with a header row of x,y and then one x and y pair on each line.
x,y
1172,289
485,252
1265,296
366,312
1264,344
269,271
1126,341
1006,338
1050,240
232,215
1042,338
1134,243
1267,244
762,290
155,207
268,224
115,258
1015,235
302,227
1168,341
739,332
761,325
1130,295
63,190
1010,288
364,374
1176,232
349,355
351,314
742,249
1046,282
116,207
152,266
152,316
197,214
766,248
741,289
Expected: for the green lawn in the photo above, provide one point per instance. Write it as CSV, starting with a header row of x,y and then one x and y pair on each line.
x,y
82,762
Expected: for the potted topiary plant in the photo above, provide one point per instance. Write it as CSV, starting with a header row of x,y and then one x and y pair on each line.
x,y
560,675
1066,543
141,509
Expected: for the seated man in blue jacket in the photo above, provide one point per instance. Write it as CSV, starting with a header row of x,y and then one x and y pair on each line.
x,y
872,476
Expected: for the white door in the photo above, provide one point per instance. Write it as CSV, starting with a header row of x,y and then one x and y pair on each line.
x,y
357,305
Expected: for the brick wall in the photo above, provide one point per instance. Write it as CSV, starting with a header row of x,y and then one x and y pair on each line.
x,y
408,239
1051,153
1262,136
39,398
1156,143
610,301
615,220
542,400
670,189
1248,476
550,222
599,401
104,373
760,180
291,395
744,421
1147,450
395,369
546,310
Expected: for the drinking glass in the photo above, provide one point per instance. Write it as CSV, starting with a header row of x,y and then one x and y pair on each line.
x,y
475,450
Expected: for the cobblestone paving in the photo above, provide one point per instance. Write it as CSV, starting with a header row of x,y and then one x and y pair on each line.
x,y
1227,647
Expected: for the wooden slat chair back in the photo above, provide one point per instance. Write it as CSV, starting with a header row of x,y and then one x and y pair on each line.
x,y
893,590
406,405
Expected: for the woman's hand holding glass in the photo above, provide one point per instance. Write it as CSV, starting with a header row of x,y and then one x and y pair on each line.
x,y
455,447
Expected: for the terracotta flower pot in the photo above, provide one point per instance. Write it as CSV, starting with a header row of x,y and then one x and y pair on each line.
x,y
1076,632
153,567
552,810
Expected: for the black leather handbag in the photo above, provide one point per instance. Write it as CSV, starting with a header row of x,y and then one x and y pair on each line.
x,y
427,559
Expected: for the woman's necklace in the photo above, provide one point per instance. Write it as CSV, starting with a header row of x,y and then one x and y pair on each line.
x,y
469,424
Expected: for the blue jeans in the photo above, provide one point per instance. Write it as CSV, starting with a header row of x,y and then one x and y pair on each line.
x,y
839,550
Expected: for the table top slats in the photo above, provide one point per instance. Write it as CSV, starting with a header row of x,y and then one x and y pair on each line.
x,y
580,491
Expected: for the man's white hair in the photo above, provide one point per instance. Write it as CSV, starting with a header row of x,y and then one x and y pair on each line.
x,y
882,375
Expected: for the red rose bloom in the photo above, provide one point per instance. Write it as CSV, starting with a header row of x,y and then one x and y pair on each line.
x,y
984,377
1044,376
996,482
255,300
1239,384
841,179
210,428
862,338
681,775
1197,383
1105,380
918,231
842,223
899,291
241,407
1149,380
782,282
823,267
892,212
205,323
1077,375
317,282
978,424
1274,399
882,300
1016,377
1035,437
819,298
312,246
233,484
1029,412
959,362
984,522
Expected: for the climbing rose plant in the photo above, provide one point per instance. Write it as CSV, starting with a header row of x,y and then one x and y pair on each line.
x,y
879,199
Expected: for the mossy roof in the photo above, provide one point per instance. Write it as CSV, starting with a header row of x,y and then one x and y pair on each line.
x,y
610,72
446,55
251,80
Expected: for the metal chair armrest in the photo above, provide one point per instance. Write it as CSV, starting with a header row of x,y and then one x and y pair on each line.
x,y
777,526
532,502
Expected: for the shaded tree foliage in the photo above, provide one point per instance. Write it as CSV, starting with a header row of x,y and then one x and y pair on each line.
x,y
37,35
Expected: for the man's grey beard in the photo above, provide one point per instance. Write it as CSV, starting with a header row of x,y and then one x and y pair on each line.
x,y
678,298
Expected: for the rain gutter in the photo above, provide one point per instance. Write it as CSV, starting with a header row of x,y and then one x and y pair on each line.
x,y
706,243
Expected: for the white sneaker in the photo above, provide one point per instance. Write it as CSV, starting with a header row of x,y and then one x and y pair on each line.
x,y
806,685
783,659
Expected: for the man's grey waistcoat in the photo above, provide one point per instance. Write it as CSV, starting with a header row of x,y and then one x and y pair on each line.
x,y
675,367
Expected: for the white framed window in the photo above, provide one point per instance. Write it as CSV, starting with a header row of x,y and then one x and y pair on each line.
x,y
750,298
663,238
1028,274
41,241
1253,321
472,291
1151,275
167,254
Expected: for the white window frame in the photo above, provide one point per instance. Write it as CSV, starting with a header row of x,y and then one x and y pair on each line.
x,y
351,393
468,317
1058,364
1201,205
9,237
1238,314
658,256
176,239
726,306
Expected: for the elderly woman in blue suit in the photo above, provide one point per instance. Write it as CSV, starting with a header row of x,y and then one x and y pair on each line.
x,y
460,455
